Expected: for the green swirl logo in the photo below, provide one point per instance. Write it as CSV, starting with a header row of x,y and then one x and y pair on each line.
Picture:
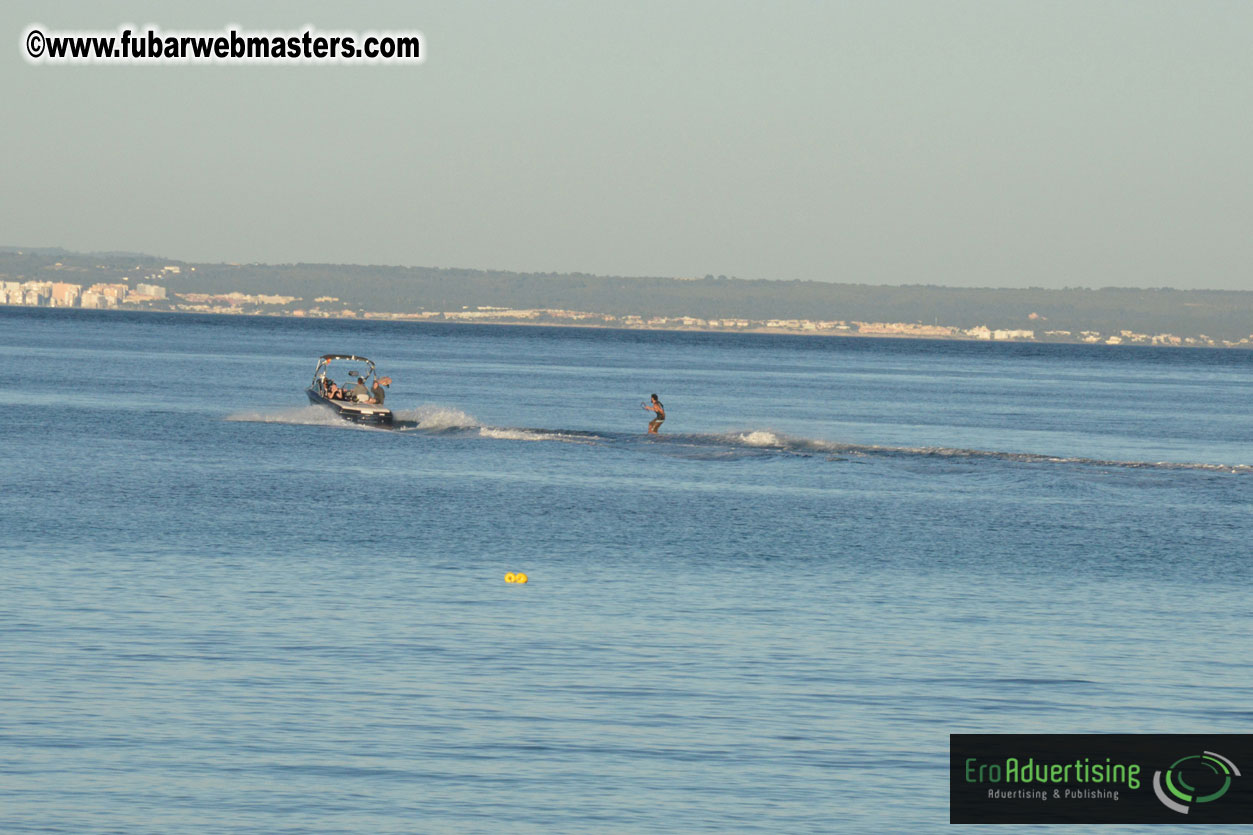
x,y
1194,779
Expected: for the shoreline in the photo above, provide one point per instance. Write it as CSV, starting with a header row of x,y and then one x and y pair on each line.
x,y
766,331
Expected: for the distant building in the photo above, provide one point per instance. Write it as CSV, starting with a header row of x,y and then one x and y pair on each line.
x,y
111,293
35,294
154,291
64,294
11,292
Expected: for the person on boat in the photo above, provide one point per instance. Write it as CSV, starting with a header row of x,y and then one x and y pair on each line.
x,y
377,393
359,392
333,391
655,423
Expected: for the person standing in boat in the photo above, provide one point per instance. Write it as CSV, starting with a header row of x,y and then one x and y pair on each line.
x,y
377,392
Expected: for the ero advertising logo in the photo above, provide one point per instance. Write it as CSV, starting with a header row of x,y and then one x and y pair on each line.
x,y
1099,778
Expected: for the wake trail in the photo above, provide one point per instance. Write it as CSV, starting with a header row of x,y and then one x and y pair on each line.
x,y
433,419
296,415
441,420
765,439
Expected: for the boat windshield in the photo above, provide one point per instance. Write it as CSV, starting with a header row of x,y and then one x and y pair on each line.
x,y
342,371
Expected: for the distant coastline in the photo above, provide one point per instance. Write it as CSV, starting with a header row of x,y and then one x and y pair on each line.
x,y
592,325
1109,316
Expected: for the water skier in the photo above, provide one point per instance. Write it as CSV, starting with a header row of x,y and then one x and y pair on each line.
x,y
655,423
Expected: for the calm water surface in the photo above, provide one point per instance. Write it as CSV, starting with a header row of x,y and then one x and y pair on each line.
x,y
226,612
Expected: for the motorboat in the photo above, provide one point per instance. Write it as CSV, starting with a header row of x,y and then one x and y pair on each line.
x,y
356,372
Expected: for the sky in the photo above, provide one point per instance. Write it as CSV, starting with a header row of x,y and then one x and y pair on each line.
x,y
996,143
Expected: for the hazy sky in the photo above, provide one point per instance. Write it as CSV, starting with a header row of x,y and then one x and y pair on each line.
x,y
963,143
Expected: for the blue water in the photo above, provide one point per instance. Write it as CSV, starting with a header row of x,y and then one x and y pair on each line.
x,y
225,611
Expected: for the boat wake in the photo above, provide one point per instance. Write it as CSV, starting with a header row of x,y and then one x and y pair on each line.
x,y
446,420
764,439
756,442
438,420
433,419
298,415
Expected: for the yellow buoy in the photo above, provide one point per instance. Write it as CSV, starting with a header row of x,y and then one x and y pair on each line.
x,y
511,577
519,578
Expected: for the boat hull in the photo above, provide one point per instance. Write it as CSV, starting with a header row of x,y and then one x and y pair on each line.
x,y
355,412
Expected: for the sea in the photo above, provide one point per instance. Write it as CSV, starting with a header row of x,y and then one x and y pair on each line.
x,y
225,610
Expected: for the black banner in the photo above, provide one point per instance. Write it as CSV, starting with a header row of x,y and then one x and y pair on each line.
x,y
1101,778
